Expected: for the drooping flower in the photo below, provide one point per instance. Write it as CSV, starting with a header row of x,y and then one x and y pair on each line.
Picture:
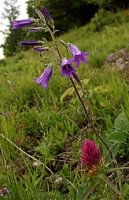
x,y
35,29
78,55
44,78
30,43
68,70
21,23
46,13
40,49
91,155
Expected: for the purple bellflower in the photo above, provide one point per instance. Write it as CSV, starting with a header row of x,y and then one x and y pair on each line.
x,y
35,29
40,49
46,13
21,23
78,55
30,43
68,70
44,78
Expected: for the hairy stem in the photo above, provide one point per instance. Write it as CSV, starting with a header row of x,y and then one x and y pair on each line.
x,y
94,130
54,41
89,120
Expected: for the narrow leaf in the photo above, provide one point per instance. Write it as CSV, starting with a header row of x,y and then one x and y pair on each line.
x,y
89,190
67,92
110,184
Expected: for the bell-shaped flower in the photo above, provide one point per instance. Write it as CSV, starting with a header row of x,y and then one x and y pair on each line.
x,y
44,78
78,55
40,49
35,29
30,43
68,70
21,23
46,13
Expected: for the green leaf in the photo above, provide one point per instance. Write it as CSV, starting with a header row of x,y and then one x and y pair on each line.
x,y
118,137
67,92
109,183
120,130
85,81
100,89
89,190
121,123
70,90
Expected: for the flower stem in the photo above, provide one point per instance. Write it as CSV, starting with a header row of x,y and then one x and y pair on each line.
x,y
89,120
87,117
54,41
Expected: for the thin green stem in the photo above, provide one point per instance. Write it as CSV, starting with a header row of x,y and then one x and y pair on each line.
x,y
89,120
87,117
94,130
53,39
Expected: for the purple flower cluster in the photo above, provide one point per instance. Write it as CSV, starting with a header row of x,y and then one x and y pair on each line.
x,y
66,65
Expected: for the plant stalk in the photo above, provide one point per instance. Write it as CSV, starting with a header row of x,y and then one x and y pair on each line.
x,y
88,119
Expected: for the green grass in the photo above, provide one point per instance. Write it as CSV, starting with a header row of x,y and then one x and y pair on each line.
x,y
40,124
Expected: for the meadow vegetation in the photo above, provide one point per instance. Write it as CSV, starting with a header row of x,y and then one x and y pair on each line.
x,y
49,124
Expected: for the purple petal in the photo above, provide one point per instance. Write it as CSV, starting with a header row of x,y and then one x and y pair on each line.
x,y
21,23
28,43
46,13
76,60
35,29
83,57
40,49
80,58
66,68
74,50
78,55
44,78
66,62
